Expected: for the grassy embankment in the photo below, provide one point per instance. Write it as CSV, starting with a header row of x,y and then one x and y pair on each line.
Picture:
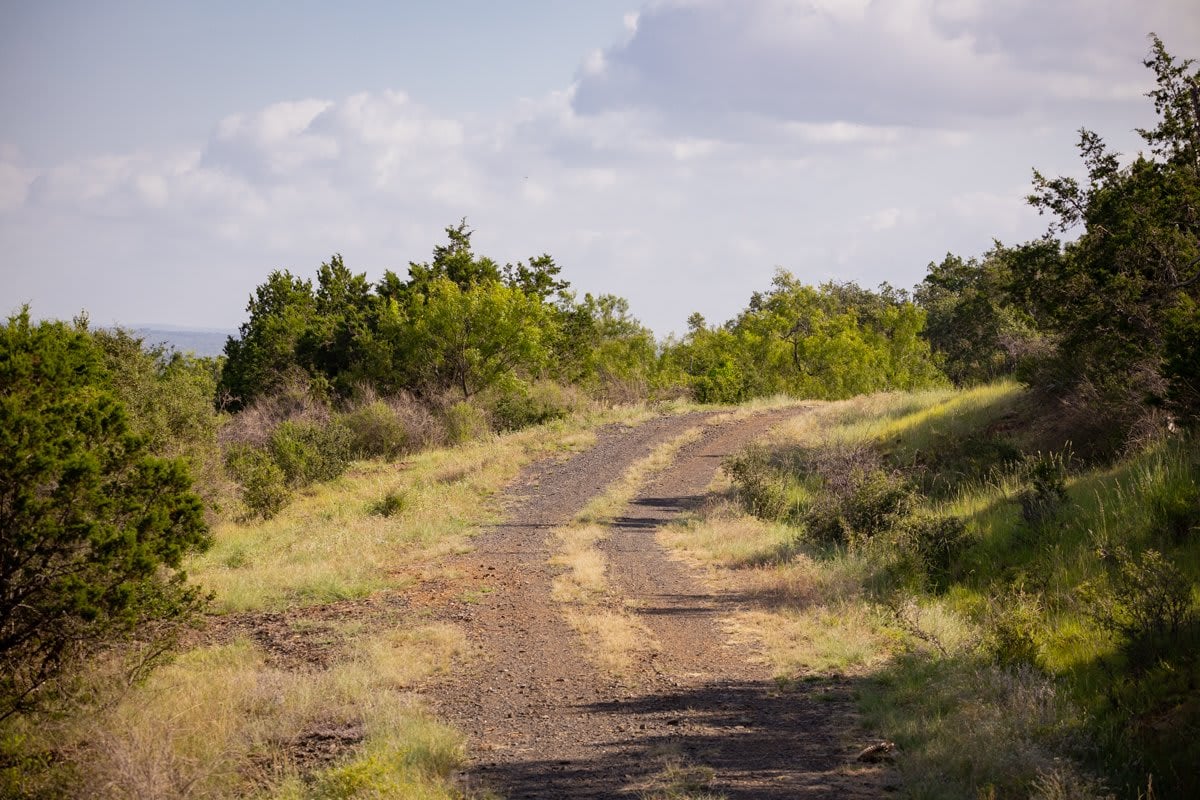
x,y
231,718
1020,623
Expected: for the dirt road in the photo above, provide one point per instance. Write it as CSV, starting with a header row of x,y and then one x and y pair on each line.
x,y
699,716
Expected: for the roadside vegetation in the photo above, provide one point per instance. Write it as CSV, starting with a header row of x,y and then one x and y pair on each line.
x,y
1010,570
1018,621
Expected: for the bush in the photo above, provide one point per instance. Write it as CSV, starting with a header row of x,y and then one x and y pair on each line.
x,y
1042,500
93,528
309,452
1147,601
464,423
859,506
390,505
376,431
762,487
1013,626
263,485
516,404
935,542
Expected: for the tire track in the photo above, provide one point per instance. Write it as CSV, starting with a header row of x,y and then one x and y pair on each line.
x,y
541,721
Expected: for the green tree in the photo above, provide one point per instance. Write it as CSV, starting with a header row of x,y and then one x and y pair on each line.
x,y
830,341
339,333
974,325
467,339
92,528
1114,296
602,348
264,356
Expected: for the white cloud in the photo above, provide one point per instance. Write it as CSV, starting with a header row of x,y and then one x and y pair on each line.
x,y
894,63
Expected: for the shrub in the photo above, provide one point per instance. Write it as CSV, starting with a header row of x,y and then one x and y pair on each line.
x,y
390,505
762,488
516,404
309,452
263,485
859,506
935,542
375,431
255,423
464,422
1043,498
92,527
1013,626
1148,600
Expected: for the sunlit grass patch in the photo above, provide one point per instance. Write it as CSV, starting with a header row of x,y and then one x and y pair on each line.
x,y
967,727
679,777
845,639
720,534
586,567
613,640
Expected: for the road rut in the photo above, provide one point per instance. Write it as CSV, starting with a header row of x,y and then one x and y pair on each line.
x,y
543,723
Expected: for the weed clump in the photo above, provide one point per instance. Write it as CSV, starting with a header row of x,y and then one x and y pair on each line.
x,y
309,452
391,504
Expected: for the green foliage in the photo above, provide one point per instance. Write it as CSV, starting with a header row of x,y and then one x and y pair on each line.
x,y
263,484
93,528
515,404
168,399
376,431
1147,600
604,350
390,505
1014,627
935,542
465,422
469,339
309,452
263,358
1121,298
1045,492
832,341
761,486
972,323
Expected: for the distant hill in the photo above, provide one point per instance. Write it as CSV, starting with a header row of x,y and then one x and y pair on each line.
x,y
200,341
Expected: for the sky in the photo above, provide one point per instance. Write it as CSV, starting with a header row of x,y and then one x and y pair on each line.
x,y
159,160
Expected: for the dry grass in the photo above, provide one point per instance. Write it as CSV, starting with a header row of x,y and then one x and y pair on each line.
x,y
845,639
614,640
586,575
222,722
